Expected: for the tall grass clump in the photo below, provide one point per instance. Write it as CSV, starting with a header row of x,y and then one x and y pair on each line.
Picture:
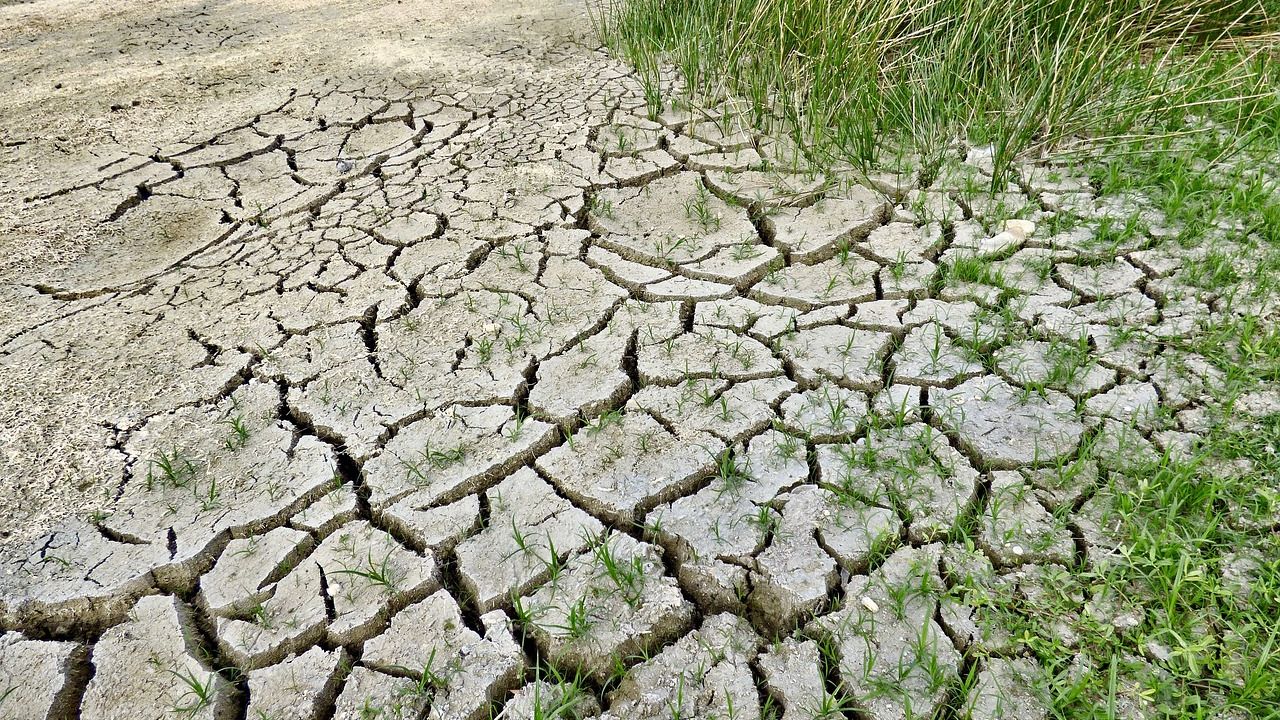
x,y
852,78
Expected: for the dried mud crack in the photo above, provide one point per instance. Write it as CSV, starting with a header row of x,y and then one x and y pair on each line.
x,y
471,393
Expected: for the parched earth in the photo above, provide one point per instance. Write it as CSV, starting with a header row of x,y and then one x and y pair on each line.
x,y
410,391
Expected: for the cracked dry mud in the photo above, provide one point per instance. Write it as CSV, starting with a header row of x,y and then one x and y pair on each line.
x,y
394,397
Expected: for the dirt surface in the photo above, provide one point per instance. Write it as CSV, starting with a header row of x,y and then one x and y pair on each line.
x,y
392,360
96,89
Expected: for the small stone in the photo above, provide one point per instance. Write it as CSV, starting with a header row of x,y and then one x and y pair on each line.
x,y
1127,621
999,243
1021,229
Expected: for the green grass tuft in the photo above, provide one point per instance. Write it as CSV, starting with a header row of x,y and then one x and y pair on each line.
x,y
856,79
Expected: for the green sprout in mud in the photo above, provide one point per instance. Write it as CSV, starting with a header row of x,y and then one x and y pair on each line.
x,y
578,621
613,454
521,540
698,209
525,616
175,468
516,428
844,251
524,332
516,251
703,392
625,144
644,443
484,349
898,270
744,251
837,409
723,412
975,269
626,574
211,498
832,706
429,459
765,520
431,677
565,705
731,471
601,207
260,616
239,435
605,421
552,563
379,574
666,247
197,693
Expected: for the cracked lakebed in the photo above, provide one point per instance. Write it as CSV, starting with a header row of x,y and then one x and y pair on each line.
x,y
404,396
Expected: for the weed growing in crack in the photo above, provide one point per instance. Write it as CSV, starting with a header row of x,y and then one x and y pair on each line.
x,y
765,520
210,499
613,454
745,251
831,706
260,616
484,349
432,679
516,428
653,527
553,564
525,616
570,695
789,446
197,693
514,251
625,144
703,391
644,443
601,207
724,413
676,707
521,541
666,248
974,269
898,269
